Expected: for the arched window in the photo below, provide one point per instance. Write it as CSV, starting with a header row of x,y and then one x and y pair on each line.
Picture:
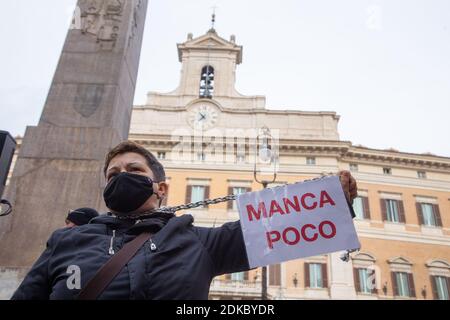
x,y
207,82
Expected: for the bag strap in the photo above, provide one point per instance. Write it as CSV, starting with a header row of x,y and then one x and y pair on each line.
x,y
111,268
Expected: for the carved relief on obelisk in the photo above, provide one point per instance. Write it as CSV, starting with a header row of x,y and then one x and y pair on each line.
x,y
101,18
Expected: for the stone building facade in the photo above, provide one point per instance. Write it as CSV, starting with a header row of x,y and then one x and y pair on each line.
x,y
404,199
206,135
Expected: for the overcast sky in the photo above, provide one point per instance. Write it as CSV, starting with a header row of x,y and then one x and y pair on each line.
x,y
383,66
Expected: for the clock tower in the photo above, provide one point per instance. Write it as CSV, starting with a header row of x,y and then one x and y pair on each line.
x,y
206,98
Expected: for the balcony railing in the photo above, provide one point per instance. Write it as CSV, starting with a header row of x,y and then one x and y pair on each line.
x,y
235,288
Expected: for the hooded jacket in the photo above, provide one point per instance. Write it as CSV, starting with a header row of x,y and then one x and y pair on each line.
x,y
178,262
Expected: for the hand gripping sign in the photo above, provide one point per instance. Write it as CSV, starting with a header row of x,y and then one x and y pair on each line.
x,y
296,221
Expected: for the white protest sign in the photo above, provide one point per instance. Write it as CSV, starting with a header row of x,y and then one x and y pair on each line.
x,y
296,221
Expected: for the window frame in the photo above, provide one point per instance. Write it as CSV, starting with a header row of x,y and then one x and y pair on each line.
x,y
158,153
389,214
311,161
421,174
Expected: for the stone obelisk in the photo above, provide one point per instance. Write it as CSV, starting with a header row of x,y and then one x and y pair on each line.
x,y
87,112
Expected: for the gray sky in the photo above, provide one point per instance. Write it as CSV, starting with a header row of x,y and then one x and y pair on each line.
x,y
384,66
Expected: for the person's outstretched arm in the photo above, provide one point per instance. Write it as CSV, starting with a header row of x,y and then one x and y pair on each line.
x,y
226,247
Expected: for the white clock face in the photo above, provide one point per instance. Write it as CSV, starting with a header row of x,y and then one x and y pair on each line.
x,y
203,117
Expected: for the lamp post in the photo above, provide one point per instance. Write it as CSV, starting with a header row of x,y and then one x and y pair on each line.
x,y
264,153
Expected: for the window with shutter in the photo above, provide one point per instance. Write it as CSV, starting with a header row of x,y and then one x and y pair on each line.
x,y
373,283
188,194
317,275
442,289
394,283
401,212
412,288
428,215
392,210
275,275
306,272
356,279
230,203
358,207
402,281
419,212
437,215
366,208
383,209
324,276
236,190
197,193
165,198
364,280
434,287
207,189
206,194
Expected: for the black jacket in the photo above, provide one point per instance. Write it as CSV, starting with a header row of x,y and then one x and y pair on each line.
x,y
181,265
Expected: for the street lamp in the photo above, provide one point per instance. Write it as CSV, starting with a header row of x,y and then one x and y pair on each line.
x,y
265,154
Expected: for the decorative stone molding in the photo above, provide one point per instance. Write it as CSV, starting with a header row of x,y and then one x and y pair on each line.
x,y
400,264
438,268
240,183
399,159
210,41
390,196
317,259
422,199
363,258
199,181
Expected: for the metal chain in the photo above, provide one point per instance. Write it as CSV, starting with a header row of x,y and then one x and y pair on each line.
x,y
192,205
179,207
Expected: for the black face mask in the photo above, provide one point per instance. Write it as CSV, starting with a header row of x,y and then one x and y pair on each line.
x,y
127,192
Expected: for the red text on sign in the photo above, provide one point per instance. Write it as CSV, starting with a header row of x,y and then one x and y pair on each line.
x,y
307,201
308,232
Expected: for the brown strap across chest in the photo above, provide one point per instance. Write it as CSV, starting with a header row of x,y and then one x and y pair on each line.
x,y
111,268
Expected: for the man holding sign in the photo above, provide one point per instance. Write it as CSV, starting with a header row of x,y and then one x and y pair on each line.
x,y
166,256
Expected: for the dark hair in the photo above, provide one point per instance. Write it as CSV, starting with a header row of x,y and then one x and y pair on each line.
x,y
130,146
